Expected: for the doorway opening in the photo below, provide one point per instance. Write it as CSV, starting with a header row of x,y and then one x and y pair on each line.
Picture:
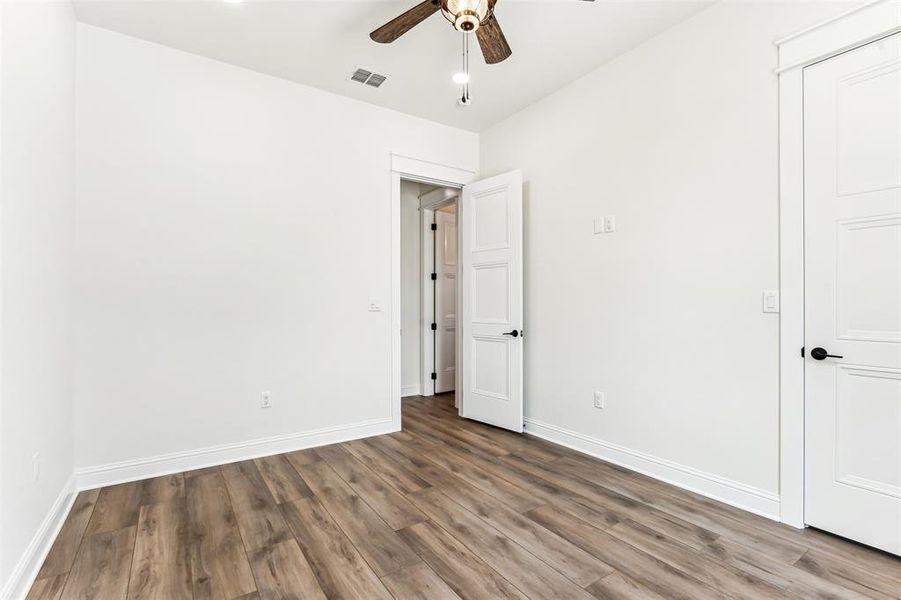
x,y
488,299
429,276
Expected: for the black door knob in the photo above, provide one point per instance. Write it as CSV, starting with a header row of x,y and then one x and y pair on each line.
x,y
822,354
513,333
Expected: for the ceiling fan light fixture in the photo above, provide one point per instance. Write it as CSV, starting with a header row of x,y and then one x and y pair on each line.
x,y
461,78
466,15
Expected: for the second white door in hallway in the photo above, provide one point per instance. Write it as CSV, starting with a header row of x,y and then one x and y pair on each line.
x,y
445,298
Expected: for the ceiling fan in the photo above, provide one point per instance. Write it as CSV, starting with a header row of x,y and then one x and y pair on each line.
x,y
465,15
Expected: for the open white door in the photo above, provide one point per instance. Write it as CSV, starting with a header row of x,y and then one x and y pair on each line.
x,y
852,200
491,258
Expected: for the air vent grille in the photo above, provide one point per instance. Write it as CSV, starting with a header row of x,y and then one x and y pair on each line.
x,y
375,80
360,75
367,77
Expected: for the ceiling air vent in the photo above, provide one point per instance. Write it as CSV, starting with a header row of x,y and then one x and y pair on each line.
x,y
367,77
375,80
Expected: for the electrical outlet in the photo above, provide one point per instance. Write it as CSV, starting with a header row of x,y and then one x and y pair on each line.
x,y
266,400
599,400
36,467
609,223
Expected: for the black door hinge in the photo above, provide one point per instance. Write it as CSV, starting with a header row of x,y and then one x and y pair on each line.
x,y
434,326
802,351
434,375
434,276
434,226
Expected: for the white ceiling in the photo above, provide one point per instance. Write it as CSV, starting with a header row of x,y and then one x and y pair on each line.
x,y
319,43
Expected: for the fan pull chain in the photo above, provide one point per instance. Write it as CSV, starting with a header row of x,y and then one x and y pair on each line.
x,y
466,99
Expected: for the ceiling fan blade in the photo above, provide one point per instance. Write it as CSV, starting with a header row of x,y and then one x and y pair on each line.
x,y
395,28
494,45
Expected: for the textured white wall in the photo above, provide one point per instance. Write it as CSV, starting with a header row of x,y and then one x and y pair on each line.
x,y
37,161
678,139
231,230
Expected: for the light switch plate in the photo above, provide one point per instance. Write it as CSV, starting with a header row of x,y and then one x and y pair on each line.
x,y
598,225
770,301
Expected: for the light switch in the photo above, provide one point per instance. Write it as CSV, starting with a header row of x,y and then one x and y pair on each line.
x,y
770,301
609,224
605,224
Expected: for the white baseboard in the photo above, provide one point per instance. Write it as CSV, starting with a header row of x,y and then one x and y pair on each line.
x,y
410,390
23,575
731,492
166,464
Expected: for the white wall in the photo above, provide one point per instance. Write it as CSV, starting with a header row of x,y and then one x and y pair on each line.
x,y
678,139
231,230
411,284
37,155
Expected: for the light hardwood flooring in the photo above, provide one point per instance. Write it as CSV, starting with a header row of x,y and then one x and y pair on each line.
x,y
447,508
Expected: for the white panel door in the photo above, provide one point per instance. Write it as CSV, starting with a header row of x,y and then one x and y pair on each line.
x,y
852,165
445,299
491,255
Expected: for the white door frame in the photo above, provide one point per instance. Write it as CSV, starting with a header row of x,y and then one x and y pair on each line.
x,y
421,171
844,32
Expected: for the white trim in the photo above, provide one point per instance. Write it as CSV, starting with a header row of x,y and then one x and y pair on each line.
x,y
731,492
791,291
824,23
422,171
26,570
839,34
813,44
410,390
178,462
425,171
438,198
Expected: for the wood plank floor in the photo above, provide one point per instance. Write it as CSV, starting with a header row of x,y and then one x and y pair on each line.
x,y
447,508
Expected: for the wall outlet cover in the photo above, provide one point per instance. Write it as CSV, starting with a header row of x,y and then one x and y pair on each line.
x,y
770,301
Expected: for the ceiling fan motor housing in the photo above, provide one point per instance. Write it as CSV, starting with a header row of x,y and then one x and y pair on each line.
x,y
466,21
466,15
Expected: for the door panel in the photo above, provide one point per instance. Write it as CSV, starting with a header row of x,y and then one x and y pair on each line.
x,y
852,180
867,290
491,255
866,441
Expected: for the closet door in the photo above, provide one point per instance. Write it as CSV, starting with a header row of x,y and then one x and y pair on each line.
x,y
852,203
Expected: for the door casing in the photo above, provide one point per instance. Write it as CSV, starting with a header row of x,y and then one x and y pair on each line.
x,y
822,41
420,171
